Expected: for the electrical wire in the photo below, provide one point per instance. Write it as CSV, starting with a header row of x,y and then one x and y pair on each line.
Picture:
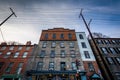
x,y
2,35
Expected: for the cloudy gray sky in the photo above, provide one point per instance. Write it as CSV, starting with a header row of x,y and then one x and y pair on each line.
x,y
36,15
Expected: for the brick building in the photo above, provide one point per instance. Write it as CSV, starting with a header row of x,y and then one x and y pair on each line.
x,y
87,56
56,56
109,49
13,60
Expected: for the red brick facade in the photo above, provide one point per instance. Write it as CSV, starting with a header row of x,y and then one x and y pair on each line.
x,y
58,32
15,60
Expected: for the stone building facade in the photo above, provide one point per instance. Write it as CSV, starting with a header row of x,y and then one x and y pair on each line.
x,y
57,56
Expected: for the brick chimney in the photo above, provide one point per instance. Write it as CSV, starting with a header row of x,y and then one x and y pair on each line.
x,y
3,43
28,43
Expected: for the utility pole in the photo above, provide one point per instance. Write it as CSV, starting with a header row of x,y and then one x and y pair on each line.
x,y
101,62
13,13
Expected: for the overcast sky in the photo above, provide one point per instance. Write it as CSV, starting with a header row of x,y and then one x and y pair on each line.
x,y
35,15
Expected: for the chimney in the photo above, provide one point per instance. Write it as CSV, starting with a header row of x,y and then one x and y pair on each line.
x,y
3,43
28,43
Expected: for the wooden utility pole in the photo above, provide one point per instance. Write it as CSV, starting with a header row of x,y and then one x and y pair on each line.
x,y
101,62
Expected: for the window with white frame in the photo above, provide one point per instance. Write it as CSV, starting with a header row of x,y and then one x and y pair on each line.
x,y
72,52
19,68
42,54
25,54
74,66
71,44
20,47
51,65
7,54
27,48
39,66
62,44
44,45
16,55
52,54
62,53
53,44
3,47
11,48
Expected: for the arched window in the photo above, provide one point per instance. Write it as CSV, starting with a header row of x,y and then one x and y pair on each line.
x,y
80,36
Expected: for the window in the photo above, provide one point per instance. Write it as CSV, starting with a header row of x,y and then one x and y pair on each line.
x,y
74,66
62,36
83,45
9,67
11,48
71,44
107,41
118,59
54,36
52,54
86,53
46,36
110,60
39,66
62,53
90,66
7,54
53,44
16,54
3,48
27,48
62,45
51,66
19,68
118,49
44,44
1,65
20,47
104,50
113,41
0,53
99,41
25,54
72,52
42,54
63,66
80,36
70,36
112,50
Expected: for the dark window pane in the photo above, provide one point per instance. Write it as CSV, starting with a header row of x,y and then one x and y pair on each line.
x,y
91,67
51,66
81,36
86,53
62,53
83,45
69,35
40,66
62,36
42,54
46,36
52,54
63,66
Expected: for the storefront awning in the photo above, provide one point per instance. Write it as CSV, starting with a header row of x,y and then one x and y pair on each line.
x,y
52,72
95,76
11,76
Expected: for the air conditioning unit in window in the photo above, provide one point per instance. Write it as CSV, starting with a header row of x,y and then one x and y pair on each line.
x,y
51,69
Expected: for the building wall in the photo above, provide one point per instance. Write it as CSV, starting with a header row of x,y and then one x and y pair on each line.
x,y
11,58
113,66
57,59
91,58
